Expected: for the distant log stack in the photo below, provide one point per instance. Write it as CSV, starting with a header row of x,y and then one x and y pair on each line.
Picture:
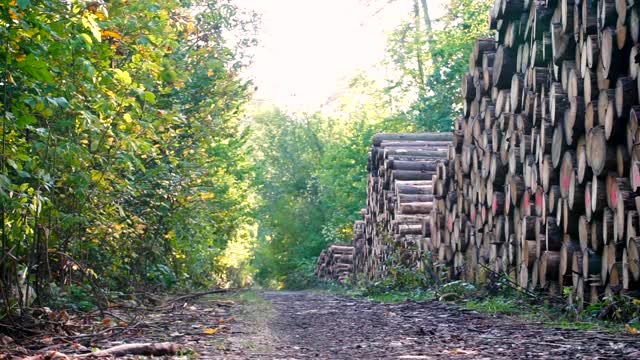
x,y
360,247
400,199
336,263
541,181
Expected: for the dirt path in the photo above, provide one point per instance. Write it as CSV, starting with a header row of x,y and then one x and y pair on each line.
x,y
302,325
305,325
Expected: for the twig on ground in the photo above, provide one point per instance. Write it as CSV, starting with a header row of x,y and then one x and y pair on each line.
x,y
147,349
198,294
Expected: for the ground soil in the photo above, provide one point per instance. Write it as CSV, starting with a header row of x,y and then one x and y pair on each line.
x,y
306,325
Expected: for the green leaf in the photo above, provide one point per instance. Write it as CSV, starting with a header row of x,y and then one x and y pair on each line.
x,y
87,40
35,67
24,174
122,76
58,101
26,120
13,164
24,4
150,97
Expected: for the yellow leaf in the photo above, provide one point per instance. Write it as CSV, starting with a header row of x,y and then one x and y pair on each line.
x,y
101,13
111,34
207,196
14,15
631,330
127,118
210,72
211,331
20,57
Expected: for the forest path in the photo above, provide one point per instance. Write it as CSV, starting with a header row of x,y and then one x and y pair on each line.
x,y
308,325
304,325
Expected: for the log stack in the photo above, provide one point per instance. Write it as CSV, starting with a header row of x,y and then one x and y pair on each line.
x,y
336,263
541,179
542,182
400,199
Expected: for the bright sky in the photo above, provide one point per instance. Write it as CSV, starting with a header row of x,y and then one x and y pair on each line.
x,y
309,49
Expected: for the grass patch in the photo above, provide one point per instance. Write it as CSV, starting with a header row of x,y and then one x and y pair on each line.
x,y
523,308
494,305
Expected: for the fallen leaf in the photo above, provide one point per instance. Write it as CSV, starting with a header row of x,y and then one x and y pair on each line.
x,y
5,340
106,321
631,330
210,331
47,340
63,316
461,352
54,355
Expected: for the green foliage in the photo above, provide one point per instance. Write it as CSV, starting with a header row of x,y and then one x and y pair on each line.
x,y
401,296
121,141
445,53
311,181
496,305
76,297
162,276
459,288
620,308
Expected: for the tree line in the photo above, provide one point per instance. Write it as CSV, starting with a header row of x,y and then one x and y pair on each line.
x,y
122,153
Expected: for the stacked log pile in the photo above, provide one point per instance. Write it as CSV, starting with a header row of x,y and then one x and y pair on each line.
x,y
336,263
542,182
400,200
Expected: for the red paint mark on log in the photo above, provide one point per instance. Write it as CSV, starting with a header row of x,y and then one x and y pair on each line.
x,y
565,183
587,200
